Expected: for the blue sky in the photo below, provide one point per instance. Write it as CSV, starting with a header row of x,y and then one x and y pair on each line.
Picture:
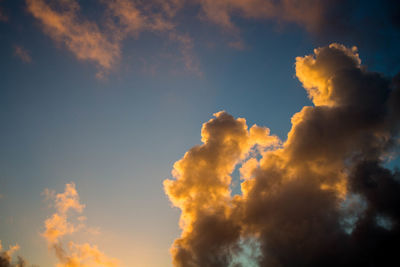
x,y
117,137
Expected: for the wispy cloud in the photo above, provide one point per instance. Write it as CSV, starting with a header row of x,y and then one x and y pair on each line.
x,y
101,41
186,47
82,37
22,54
64,22
306,13
132,18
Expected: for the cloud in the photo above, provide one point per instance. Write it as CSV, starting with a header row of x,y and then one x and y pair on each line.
x,y
307,13
321,198
64,22
201,189
314,71
186,44
316,16
60,225
82,37
22,53
132,20
6,257
372,25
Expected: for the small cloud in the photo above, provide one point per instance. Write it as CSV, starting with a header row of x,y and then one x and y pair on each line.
x,y
80,36
22,53
7,258
239,45
186,44
60,224
6,255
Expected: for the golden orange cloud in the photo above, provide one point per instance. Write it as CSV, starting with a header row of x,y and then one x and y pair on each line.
x,y
297,198
80,36
202,179
63,22
316,71
59,225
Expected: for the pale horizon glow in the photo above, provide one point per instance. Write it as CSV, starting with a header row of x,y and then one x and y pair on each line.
x,y
124,123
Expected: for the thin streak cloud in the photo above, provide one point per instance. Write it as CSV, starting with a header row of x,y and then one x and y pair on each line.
x,y
80,36
102,44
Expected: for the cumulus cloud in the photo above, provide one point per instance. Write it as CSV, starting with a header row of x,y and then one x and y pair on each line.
x,y
201,189
321,198
60,224
7,255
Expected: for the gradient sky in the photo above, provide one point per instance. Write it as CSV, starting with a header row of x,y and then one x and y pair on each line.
x,y
116,137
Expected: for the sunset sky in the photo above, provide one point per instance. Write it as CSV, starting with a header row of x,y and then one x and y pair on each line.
x,y
101,99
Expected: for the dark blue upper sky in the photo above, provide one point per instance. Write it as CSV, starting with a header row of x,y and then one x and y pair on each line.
x,y
118,136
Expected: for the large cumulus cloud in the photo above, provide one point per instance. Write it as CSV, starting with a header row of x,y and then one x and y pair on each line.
x,y
321,198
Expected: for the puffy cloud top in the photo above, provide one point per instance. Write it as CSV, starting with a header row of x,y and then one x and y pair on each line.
x,y
321,198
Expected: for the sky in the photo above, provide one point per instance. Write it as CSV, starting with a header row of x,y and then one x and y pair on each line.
x,y
127,134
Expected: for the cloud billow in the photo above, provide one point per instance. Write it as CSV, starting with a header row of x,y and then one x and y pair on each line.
x,y
59,225
321,198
